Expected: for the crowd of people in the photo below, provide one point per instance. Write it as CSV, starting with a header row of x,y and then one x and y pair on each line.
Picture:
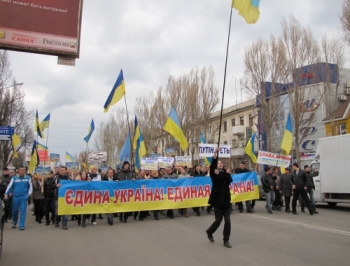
x,y
278,189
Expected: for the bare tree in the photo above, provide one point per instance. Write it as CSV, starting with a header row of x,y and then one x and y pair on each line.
x,y
345,20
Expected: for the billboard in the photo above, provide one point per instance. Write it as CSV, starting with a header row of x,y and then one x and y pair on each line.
x,y
41,26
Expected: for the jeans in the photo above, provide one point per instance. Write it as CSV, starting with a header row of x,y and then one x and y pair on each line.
x,y
19,205
64,217
270,198
220,213
312,199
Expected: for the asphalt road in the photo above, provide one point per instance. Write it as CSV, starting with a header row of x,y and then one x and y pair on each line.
x,y
257,239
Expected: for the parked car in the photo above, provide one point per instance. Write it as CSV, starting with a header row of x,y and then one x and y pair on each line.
x,y
1,227
261,191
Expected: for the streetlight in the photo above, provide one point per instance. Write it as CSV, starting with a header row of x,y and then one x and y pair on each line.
x,y
14,85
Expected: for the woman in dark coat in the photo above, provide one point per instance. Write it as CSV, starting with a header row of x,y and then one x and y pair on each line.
x,y
220,198
286,188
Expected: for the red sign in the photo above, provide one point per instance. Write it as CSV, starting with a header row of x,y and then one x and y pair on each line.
x,y
43,155
308,75
41,26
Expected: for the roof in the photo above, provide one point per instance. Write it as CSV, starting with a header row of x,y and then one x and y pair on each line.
x,y
342,112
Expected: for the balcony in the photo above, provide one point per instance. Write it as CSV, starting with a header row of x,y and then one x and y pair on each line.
x,y
237,152
238,130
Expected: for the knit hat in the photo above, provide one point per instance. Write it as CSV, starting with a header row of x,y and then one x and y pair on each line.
x,y
124,163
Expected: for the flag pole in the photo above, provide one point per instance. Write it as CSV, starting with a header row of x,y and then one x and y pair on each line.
x,y
47,140
127,117
224,84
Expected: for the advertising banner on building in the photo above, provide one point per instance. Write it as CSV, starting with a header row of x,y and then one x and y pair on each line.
x,y
181,161
79,197
274,159
41,26
164,162
207,150
149,164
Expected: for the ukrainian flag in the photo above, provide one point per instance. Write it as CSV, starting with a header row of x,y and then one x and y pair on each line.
x,y
34,158
37,126
139,146
42,147
91,129
249,149
207,160
117,92
15,141
45,123
69,157
287,140
173,126
249,9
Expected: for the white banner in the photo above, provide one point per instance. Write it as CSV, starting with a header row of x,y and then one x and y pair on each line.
x,y
149,164
207,150
181,161
164,162
274,159
98,156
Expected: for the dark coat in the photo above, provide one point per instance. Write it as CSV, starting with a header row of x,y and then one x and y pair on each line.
x,y
125,175
310,184
267,182
195,173
300,180
286,185
49,187
37,194
220,195
58,179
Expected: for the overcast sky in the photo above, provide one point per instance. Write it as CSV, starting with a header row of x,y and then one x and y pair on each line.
x,y
149,40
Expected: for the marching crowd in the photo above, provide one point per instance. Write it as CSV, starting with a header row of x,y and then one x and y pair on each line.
x,y
18,189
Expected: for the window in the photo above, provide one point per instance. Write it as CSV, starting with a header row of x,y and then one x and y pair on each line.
x,y
225,142
225,126
251,123
234,143
241,120
341,129
233,122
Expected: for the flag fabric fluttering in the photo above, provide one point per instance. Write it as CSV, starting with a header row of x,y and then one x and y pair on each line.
x,y
42,147
34,158
15,141
90,131
249,149
37,126
287,140
249,9
117,92
173,127
45,123
124,154
139,146
207,160
69,157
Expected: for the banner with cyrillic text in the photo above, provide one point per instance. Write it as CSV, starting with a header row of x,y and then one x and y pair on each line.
x,y
207,150
84,197
278,160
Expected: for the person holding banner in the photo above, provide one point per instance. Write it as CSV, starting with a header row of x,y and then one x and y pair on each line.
x,y
49,198
109,177
125,174
95,176
170,175
220,198
197,173
242,169
62,176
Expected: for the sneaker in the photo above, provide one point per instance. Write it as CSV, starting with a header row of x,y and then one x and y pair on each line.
x,y
94,223
13,226
22,229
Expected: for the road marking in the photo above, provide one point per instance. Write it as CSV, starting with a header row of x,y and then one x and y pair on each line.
x,y
325,229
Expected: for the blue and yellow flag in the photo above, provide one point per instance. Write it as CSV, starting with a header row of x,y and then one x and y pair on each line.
x,y
15,141
34,158
249,9
249,149
91,129
139,146
45,123
69,157
287,141
42,147
207,160
117,92
37,126
173,127
124,154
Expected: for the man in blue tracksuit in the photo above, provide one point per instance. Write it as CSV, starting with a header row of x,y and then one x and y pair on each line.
x,y
21,188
